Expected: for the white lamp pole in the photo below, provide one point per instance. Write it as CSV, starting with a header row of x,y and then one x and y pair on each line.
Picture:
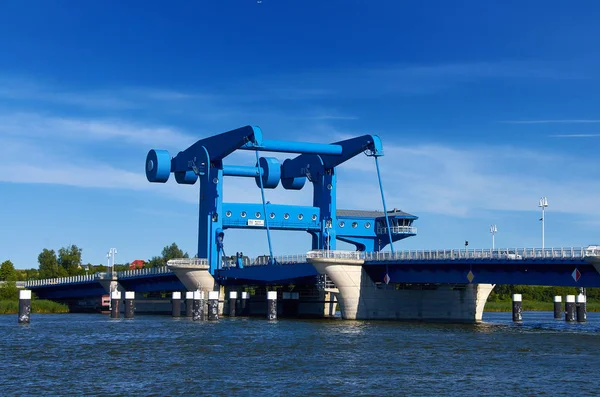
x,y
112,253
543,204
493,230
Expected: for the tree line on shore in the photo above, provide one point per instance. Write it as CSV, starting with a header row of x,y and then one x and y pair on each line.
x,y
67,262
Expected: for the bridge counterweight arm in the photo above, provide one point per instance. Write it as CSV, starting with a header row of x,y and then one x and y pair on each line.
x,y
295,147
296,167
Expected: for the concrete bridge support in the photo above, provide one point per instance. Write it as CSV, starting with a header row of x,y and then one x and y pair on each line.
x,y
194,277
361,299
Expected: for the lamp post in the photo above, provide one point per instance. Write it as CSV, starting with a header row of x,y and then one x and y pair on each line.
x,y
543,204
112,253
493,230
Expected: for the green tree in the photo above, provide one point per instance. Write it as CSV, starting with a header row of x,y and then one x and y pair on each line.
x,y
28,274
9,291
172,252
70,260
169,252
49,267
156,261
7,271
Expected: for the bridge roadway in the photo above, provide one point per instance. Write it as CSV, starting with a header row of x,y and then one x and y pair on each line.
x,y
577,267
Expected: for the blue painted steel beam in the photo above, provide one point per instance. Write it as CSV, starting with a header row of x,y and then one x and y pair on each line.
x,y
241,170
269,274
517,272
153,283
295,147
87,289
281,217
296,167
222,145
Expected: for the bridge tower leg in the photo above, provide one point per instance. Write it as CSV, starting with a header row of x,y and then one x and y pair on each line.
x,y
362,299
324,197
210,219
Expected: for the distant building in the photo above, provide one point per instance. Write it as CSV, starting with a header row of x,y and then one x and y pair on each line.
x,y
136,264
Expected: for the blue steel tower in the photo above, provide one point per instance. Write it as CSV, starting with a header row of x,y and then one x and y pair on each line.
x,y
316,162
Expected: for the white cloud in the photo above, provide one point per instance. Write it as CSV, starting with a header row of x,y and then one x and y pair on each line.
x,y
418,178
575,136
51,128
567,121
458,181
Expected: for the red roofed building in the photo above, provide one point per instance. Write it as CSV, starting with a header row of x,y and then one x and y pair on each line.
x,y
136,264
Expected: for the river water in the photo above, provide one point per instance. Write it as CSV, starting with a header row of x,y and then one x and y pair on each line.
x,y
90,354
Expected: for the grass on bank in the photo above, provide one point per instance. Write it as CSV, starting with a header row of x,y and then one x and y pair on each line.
x,y
506,306
37,306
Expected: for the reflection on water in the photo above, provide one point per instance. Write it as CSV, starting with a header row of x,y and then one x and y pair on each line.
x,y
157,355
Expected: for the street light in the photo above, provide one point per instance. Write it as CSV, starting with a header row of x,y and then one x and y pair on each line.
x,y
543,204
112,253
493,230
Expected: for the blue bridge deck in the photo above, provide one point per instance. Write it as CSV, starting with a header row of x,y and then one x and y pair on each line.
x,y
578,267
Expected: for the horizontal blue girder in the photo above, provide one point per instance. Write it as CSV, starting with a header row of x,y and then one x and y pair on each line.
x,y
241,170
284,273
295,147
238,215
548,272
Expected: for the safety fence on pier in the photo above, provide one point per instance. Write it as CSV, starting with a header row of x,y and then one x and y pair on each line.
x,y
457,254
143,272
60,280
282,259
97,276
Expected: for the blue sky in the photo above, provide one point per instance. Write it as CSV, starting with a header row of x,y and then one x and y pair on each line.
x,y
482,109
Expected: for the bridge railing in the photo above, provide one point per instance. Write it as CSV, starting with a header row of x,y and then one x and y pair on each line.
x,y
335,254
282,260
60,280
92,277
143,272
452,254
188,261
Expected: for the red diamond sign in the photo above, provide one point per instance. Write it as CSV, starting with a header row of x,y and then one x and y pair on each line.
x,y
386,279
576,274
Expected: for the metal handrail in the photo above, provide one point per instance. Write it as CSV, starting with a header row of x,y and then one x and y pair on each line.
x,y
144,272
335,254
397,230
188,261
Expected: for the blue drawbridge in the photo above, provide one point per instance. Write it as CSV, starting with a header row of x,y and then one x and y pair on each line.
x,y
204,161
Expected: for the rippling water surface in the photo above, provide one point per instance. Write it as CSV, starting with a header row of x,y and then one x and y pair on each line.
x,y
90,354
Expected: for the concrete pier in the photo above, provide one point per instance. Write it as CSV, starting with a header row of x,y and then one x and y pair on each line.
x,y
115,304
581,308
24,307
213,305
272,305
570,308
244,306
360,298
189,303
176,304
193,273
558,307
232,303
129,304
517,308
